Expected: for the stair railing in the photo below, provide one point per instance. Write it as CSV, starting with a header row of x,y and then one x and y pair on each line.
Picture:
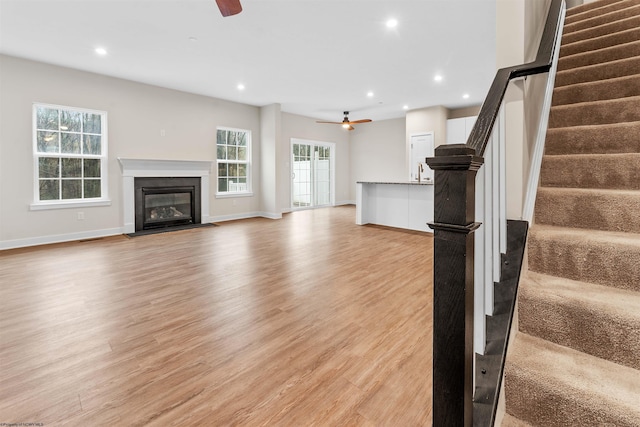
x,y
454,224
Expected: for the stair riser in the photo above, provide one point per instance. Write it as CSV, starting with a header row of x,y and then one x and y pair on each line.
x,y
583,328
601,8
605,264
614,53
601,42
595,113
543,405
608,18
592,73
622,138
622,87
609,212
614,172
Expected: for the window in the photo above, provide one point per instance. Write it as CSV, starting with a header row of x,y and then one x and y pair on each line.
x,y
70,147
233,154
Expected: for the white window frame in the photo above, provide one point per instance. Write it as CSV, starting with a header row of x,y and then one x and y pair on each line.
x,y
60,203
239,193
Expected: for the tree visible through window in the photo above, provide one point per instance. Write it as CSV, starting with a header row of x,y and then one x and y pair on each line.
x,y
233,154
69,149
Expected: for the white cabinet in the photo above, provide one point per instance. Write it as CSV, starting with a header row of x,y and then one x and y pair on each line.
x,y
458,130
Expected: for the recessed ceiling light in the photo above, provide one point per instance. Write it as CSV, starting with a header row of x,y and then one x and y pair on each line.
x,y
392,23
465,96
240,86
437,78
100,51
193,39
405,107
370,94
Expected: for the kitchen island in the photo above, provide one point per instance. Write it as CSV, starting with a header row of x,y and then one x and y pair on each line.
x,y
395,204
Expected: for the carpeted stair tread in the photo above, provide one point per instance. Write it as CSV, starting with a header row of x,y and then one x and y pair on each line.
x,y
606,54
602,42
594,139
608,210
620,87
509,421
604,171
594,319
607,258
633,9
565,387
601,30
575,10
596,8
595,112
591,73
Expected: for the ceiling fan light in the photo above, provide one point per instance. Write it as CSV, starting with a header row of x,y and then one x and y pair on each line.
x,y
346,125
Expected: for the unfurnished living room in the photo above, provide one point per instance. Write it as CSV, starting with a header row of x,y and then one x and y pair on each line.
x,y
318,212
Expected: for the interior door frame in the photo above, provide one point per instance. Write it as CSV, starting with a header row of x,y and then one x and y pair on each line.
x,y
332,165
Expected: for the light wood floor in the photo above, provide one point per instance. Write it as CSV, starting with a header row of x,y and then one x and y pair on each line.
x,y
308,320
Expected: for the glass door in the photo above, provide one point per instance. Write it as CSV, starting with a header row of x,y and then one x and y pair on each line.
x,y
312,183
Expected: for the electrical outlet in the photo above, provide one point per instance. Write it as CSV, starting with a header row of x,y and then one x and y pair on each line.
x,y
163,132
235,202
80,216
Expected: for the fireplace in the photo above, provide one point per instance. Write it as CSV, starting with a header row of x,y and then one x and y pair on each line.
x,y
173,172
166,202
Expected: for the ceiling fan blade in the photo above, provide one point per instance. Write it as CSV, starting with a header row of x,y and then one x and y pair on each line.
x,y
350,128
229,7
331,123
360,121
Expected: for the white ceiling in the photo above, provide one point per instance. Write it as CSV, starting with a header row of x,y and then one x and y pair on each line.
x,y
315,57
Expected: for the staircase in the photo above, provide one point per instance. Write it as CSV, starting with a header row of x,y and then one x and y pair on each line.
x,y
575,359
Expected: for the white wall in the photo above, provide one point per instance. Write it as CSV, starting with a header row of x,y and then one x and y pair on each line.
x,y
378,153
136,114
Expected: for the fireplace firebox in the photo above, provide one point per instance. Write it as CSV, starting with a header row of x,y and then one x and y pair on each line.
x,y
166,202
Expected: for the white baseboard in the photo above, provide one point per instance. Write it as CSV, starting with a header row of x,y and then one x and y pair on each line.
x,y
246,215
60,238
345,202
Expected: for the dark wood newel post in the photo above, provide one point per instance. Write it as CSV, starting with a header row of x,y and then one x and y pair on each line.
x,y
454,224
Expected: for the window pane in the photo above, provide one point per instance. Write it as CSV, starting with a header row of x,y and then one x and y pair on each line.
x,y
92,144
222,184
91,168
71,168
47,118
72,189
70,121
49,167
221,137
222,152
49,189
242,153
233,170
48,142
92,123
92,188
70,142
232,138
222,169
242,139
232,153
242,170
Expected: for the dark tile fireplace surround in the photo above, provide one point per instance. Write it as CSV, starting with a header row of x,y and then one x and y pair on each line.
x,y
166,202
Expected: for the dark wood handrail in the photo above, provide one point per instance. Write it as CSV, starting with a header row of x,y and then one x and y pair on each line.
x,y
455,168
479,136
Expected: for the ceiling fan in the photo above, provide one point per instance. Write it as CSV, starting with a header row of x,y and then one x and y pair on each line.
x,y
346,123
229,7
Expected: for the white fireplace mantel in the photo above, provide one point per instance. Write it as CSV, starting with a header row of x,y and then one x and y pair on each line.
x,y
148,168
